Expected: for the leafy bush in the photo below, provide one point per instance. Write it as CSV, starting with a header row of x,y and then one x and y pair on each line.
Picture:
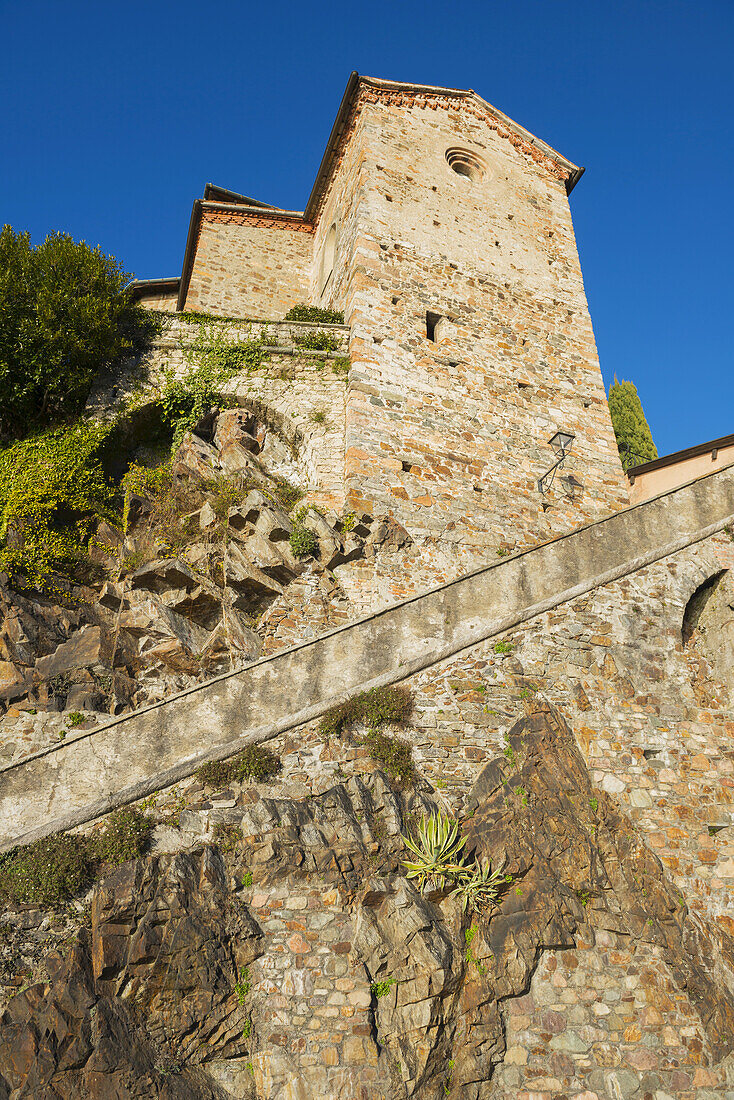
x,y
255,762
123,836
45,873
376,708
64,313
317,341
52,490
59,867
395,755
302,541
315,315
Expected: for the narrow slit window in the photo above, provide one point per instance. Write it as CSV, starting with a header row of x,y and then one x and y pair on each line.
x,y
432,320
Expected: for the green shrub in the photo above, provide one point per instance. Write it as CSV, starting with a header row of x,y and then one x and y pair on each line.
x,y
315,315
45,873
376,708
59,867
52,491
255,762
123,836
302,541
394,754
74,719
64,313
317,341
342,364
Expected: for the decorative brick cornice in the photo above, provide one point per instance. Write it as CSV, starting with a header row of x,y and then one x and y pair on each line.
x,y
233,214
365,90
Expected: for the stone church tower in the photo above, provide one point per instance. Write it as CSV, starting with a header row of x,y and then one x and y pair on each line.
x,y
443,231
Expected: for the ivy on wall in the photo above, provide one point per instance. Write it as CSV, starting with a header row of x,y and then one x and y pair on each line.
x,y
52,490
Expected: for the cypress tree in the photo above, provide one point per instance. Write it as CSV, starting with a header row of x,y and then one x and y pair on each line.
x,y
634,438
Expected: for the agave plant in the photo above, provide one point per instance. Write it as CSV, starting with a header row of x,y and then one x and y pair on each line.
x,y
436,846
478,886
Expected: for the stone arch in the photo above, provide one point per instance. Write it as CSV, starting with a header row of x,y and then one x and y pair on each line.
x,y
696,605
280,441
708,632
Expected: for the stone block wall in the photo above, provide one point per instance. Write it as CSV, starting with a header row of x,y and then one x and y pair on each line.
x,y
452,434
160,303
299,393
248,265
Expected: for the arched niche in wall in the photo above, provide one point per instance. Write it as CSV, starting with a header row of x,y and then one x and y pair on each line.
x,y
708,625
328,256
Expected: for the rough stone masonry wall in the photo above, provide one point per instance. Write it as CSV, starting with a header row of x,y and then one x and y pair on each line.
x,y
299,393
451,436
605,1019
249,266
654,725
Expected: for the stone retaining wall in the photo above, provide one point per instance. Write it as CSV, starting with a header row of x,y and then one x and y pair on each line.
x,y
146,750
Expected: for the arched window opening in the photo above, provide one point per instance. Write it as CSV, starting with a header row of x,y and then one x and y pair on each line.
x,y
327,259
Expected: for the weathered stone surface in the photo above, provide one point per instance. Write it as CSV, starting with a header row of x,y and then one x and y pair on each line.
x,y
165,932
84,650
391,645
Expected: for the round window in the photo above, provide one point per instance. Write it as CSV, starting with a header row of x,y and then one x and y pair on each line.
x,y
467,165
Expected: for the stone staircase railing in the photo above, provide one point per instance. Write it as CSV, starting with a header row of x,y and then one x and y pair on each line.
x,y
97,770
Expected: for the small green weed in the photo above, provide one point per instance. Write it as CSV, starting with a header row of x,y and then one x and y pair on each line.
x,y
243,987
503,647
381,989
74,719
227,837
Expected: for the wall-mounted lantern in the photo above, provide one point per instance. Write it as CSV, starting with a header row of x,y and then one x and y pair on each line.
x,y
561,443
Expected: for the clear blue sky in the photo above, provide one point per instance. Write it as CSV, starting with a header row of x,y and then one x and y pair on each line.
x,y
115,116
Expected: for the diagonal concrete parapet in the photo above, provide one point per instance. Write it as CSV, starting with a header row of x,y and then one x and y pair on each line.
x,y
131,756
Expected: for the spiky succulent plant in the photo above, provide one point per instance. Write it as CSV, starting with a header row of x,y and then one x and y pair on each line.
x,y
478,886
437,849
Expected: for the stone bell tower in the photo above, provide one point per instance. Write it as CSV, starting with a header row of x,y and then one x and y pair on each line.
x,y
443,230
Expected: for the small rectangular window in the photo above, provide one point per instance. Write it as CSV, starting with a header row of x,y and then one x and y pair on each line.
x,y
432,320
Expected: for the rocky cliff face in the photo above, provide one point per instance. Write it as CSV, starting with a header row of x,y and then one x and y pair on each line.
x,y
217,563
273,948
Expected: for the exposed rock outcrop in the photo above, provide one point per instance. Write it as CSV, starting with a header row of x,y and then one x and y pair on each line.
x,y
294,958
